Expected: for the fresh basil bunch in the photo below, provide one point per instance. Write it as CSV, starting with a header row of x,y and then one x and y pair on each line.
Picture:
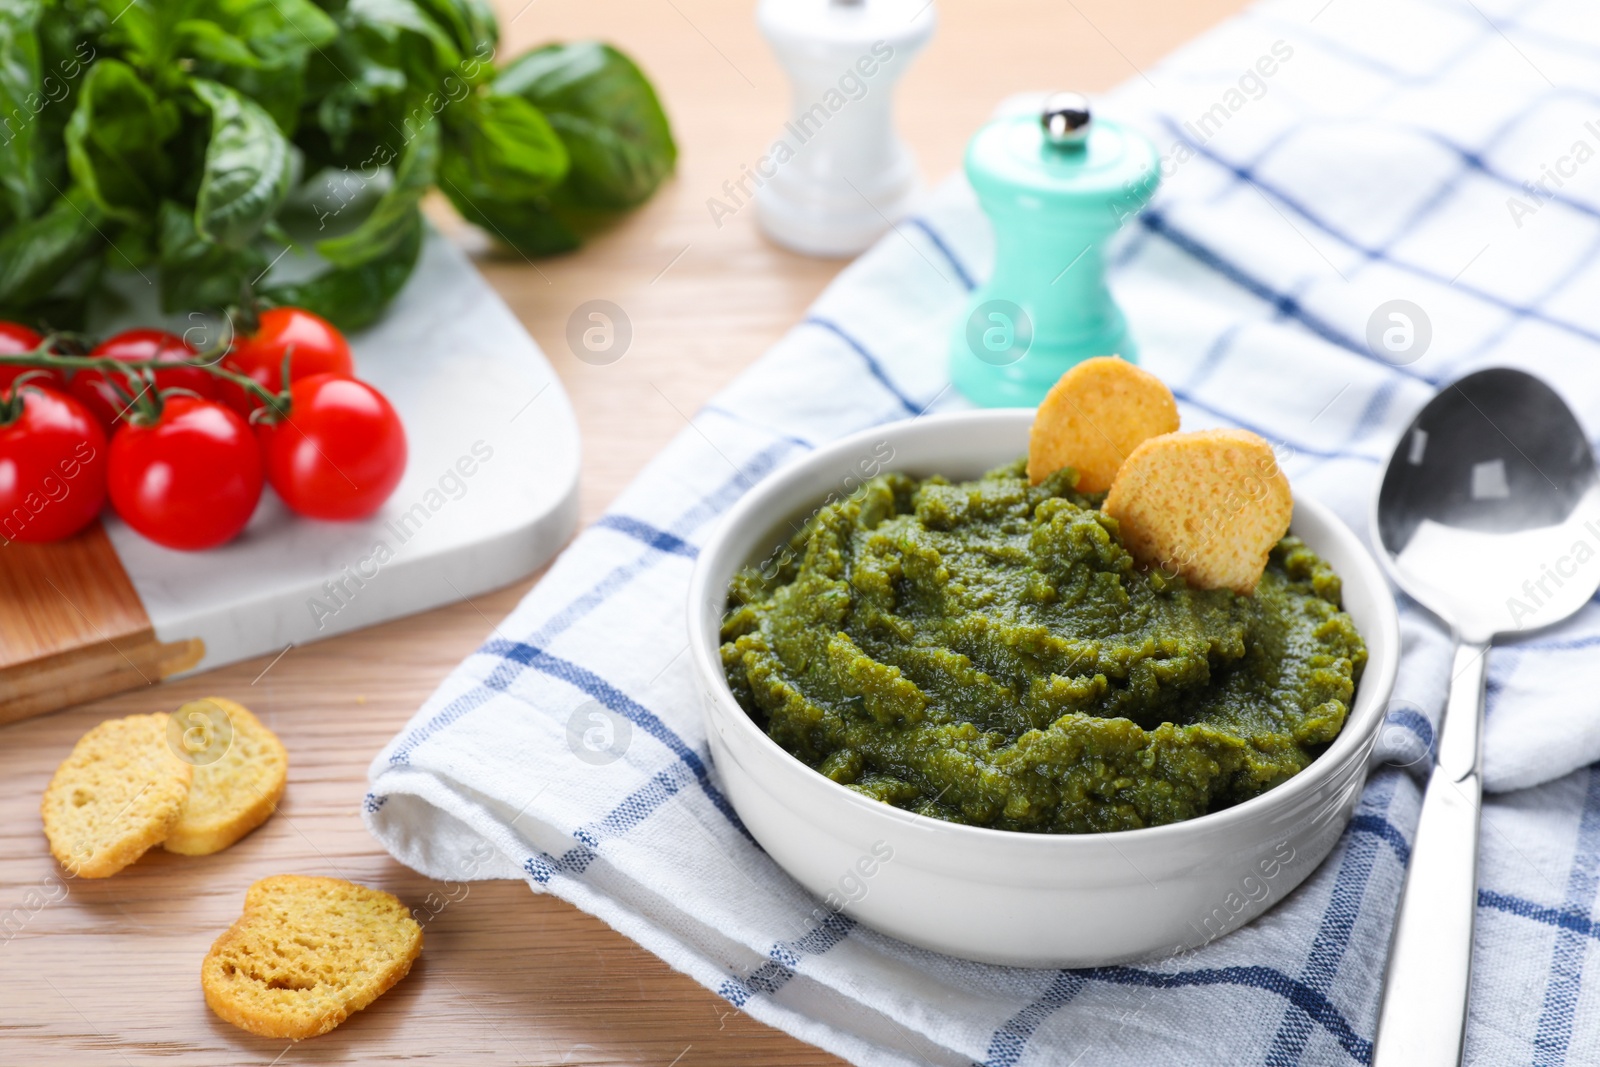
x,y
194,141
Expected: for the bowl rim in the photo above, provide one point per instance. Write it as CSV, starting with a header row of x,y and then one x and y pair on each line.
x,y
772,495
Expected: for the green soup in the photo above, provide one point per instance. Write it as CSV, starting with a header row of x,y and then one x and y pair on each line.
x,y
988,653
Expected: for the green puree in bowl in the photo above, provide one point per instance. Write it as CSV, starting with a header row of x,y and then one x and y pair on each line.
x,y
988,653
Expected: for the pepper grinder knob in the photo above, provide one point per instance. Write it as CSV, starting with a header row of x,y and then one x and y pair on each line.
x,y
837,175
1066,119
1055,185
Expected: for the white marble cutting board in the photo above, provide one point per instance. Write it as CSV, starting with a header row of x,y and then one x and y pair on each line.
x,y
475,394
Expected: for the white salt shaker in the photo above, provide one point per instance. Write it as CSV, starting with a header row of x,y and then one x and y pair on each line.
x,y
837,175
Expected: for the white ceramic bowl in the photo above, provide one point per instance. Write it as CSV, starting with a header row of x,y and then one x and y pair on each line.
x,y
1059,900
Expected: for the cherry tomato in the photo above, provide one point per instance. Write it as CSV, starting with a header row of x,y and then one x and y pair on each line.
x,y
106,404
319,348
341,451
190,479
15,339
52,468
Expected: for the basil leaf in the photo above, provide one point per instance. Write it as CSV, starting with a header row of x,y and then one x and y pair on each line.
x,y
279,89
21,99
353,298
258,47
197,272
530,226
145,33
390,18
607,116
138,28
343,109
351,88
391,68
202,39
133,242
179,127
277,31
501,161
66,54
37,254
470,23
501,146
114,141
388,223
247,167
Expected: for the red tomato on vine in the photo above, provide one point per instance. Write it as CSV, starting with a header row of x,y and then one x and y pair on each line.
x,y
188,480
317,348
16,339
52,466
340,452
106,404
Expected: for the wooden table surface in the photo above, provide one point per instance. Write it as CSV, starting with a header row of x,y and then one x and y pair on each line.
x,y
107,972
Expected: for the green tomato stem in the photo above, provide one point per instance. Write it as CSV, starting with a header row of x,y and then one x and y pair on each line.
x,y
276,404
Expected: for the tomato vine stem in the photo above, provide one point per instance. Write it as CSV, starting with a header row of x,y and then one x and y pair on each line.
x,y
140,373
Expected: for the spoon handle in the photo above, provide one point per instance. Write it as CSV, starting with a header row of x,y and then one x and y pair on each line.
x,y
1424,1012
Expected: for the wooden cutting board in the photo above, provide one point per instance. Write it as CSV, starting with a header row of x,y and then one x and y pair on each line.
x,y
72,628
489,495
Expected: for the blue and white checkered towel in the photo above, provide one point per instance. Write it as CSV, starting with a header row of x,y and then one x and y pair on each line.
x,y
1323,157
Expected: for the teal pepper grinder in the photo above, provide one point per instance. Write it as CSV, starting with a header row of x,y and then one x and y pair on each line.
x,y
1056,187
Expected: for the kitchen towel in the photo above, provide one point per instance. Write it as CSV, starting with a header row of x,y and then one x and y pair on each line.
x,y
1322,159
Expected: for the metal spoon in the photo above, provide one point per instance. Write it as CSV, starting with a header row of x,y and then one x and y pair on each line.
x,y
1489,516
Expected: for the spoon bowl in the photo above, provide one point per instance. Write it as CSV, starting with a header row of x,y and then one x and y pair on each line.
x,y
1489,516
1489,511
